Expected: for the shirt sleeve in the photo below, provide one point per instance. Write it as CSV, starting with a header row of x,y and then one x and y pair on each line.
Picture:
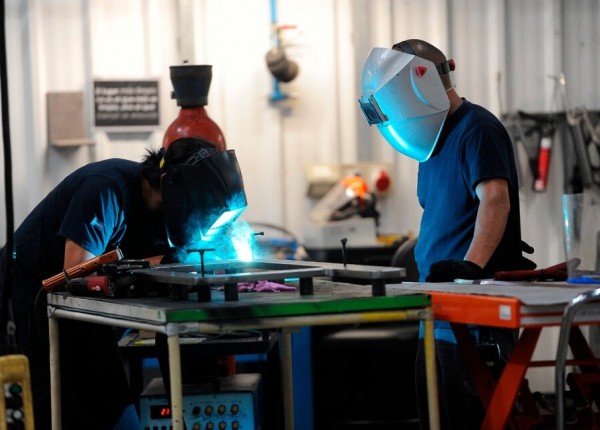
x,y
94,218
486,156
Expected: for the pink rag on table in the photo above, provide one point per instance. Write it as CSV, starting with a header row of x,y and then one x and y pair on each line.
x,y
263,286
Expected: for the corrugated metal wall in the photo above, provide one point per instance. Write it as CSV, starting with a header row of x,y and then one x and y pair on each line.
x,y
508,55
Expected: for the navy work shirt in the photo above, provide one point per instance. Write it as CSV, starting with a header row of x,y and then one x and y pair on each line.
x,y
99,206
473,147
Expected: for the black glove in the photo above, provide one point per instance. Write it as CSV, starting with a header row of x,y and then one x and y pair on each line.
x,y
525,263
526,248
449,270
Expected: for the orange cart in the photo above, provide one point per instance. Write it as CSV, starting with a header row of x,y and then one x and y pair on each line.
x,y
525,305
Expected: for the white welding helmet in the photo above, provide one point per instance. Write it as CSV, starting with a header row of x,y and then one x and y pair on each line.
x,y
403,94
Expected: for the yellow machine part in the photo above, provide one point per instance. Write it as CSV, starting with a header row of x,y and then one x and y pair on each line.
x,y
15,369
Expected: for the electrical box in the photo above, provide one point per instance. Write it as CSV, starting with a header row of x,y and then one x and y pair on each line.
x,y
230,402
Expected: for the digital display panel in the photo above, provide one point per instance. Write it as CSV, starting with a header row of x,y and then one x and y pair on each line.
x,y
160,411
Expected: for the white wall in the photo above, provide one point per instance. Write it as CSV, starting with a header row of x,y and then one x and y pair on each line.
x,y
65,45
504,50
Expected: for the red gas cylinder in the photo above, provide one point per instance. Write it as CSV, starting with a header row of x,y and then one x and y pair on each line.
x,y
191,84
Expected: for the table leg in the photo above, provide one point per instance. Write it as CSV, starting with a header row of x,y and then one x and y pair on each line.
x,y
431,376
505,393
55,373
482,378
581,350
176,385
287,379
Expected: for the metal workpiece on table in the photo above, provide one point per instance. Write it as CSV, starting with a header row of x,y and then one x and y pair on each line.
x,y
228,273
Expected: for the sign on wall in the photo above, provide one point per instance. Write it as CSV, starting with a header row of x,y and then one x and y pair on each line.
x,y
126,103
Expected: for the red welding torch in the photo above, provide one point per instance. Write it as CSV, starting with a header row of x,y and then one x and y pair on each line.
x,y
83,269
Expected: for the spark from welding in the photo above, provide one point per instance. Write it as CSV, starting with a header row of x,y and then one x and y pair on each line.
x,y
237,241
243,241
243,249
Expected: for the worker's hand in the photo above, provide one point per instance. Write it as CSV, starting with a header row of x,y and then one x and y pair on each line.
x,y
155,260
449,270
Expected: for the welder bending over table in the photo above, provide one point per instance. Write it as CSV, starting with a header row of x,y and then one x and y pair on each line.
x,y
101,206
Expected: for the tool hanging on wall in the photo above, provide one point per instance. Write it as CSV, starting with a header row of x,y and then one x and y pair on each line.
x,y
586,142
536,133
281,67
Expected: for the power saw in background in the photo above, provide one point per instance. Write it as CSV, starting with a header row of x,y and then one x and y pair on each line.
x,y
347,210
350,197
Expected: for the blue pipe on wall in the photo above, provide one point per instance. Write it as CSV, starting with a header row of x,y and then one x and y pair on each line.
x,y
276,94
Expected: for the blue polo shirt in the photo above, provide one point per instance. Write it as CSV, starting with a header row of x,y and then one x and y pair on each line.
x,y
473,147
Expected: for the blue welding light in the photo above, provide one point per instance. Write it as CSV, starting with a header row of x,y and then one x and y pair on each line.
x,y
243,241
225,219
235,242
243,248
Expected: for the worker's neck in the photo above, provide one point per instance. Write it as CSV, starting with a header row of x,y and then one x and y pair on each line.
x,y
455,101
152,197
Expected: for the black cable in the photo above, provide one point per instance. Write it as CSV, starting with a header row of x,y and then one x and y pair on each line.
x,y
8,247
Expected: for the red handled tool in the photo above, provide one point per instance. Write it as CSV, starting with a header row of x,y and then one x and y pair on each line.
x,y
83,269
113,280
557,272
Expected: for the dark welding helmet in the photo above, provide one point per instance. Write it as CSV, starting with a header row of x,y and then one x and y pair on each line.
x,y
202,197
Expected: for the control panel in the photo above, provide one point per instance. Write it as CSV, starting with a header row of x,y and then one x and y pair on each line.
x,y
227,403
13,400
16,407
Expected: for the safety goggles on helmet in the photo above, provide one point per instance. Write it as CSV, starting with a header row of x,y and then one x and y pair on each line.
x,y
404,96
202,197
